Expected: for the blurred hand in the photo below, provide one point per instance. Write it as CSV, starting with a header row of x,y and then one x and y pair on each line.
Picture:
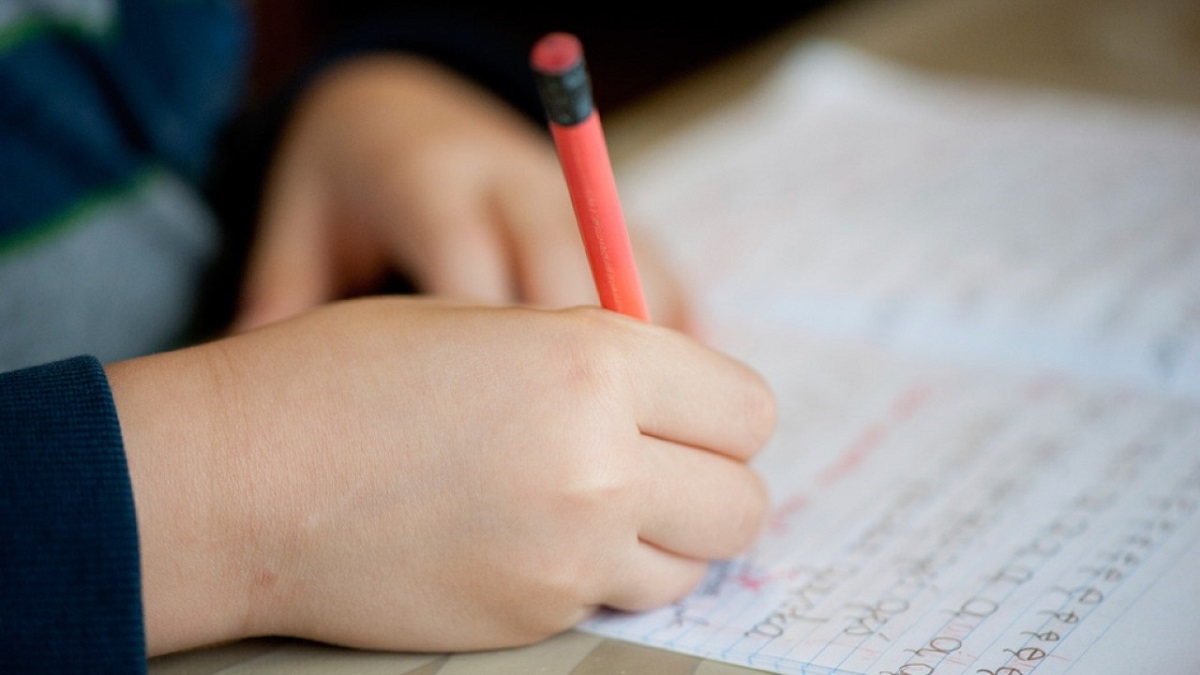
x,y
393,164
413,474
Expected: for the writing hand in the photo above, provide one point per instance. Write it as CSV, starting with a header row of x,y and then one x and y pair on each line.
x,y
407,473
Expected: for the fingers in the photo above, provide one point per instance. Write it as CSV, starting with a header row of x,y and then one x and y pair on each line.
x,y
698,504
694,506
649,577
289,268
689,394
471,264
554,272
692,496
551,266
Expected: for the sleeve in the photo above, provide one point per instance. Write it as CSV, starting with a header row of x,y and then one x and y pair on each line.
x,y
69,566
108,115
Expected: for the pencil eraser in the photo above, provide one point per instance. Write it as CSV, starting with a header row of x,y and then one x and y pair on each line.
x,y
556,53
562,78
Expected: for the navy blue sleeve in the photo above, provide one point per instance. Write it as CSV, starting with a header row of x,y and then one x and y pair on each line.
x,y
70,595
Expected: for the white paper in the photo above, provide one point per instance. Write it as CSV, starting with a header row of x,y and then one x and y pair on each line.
x,y
980,310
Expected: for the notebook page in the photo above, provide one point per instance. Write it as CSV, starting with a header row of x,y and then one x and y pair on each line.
x,y
989,421
946,520
855,198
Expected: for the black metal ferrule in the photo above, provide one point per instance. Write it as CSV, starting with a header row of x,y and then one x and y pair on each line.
x,y
567,96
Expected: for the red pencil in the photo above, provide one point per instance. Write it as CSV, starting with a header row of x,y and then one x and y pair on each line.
x,y
562,78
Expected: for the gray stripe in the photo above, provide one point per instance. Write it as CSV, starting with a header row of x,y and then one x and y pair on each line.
x,y
120,283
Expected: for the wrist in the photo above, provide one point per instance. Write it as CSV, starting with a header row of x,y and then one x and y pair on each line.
x,y
192,521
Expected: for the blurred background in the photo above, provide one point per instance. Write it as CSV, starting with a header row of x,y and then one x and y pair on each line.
x,y
630,50
1142,48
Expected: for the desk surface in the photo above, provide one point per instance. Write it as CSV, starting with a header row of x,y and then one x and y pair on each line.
x,y
1148,50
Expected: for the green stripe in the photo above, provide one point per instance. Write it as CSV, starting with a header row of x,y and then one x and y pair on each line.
x,y
79,211
24,30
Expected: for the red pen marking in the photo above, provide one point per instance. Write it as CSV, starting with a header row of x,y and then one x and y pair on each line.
x,y
904,407
873,435
751,583
780,519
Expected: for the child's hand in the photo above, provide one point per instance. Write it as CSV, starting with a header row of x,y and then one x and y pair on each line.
x,y
411,474
394,164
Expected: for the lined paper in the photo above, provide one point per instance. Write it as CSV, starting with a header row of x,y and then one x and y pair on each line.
x,y
980,309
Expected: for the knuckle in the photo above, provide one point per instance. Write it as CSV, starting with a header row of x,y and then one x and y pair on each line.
x,y
595,492
592,367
